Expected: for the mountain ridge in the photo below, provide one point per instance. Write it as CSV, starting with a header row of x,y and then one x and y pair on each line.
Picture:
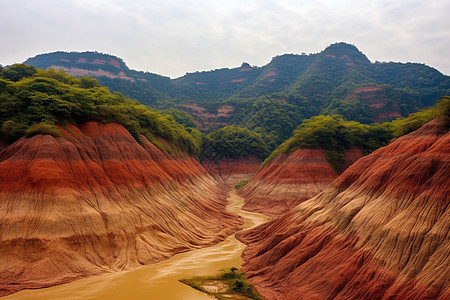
x,y
342,65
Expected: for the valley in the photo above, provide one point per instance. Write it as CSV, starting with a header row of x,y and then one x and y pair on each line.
x,y
159,280
333,184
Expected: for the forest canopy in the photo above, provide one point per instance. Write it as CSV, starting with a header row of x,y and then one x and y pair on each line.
x,y
32,101
233,142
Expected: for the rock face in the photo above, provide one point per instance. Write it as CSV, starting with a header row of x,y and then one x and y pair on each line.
x,y
233,171
96,201
379,231
289,180
206,120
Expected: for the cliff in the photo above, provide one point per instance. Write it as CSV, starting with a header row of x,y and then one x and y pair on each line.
x,y
289,180
379,231
96,201
233,170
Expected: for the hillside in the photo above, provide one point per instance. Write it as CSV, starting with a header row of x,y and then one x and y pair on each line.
x,y
81,195
302,166
320,149
276,97
378,231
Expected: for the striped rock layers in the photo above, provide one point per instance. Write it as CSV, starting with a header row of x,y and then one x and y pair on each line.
x,y
289,180
96,201
379,231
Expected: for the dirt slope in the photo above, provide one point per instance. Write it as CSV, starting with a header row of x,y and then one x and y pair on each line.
x,y
379,231
96,201
289,180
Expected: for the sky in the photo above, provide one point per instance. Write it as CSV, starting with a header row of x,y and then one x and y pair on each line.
x,y
174,37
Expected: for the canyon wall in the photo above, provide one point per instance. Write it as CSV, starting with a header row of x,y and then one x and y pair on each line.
x,y
96,201
289,180
233,170
379,231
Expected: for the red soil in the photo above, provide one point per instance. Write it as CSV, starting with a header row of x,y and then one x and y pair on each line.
x,y
379,231
238,80
289,180
375,98
85,72
96,201
233,171
207,120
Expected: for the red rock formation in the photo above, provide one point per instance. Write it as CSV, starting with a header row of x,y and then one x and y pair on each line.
x,y
207,120
233,171
96,201
378,104
379,231
73,71
289,180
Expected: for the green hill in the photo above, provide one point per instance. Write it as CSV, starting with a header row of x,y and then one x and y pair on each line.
x,y
335,135
275,98
33,101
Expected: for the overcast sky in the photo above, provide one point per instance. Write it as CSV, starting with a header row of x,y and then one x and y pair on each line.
x,y
174,37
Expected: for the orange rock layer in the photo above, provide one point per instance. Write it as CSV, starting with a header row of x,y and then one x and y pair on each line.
x,y
96,201
379,231
289,180
233,171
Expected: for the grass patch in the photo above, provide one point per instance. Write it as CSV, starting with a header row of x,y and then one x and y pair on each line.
x,y
227,284
241,184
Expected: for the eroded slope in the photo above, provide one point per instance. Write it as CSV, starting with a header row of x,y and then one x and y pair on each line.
x,y
96,201
379,231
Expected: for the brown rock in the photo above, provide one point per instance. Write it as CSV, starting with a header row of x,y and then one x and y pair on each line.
x,y
96,201
379,231
233,171
289,180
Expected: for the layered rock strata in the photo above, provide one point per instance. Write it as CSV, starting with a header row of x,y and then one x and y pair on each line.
x,y
289,180
233,171
96,201
379,231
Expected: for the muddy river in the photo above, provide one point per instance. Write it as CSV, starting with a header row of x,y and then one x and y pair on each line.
x,y
160,280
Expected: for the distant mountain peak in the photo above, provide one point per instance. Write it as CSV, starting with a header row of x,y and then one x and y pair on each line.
x,y
87,59
89,63
245,67
347,52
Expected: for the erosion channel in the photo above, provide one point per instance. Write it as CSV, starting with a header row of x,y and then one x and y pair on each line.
x,y
160,280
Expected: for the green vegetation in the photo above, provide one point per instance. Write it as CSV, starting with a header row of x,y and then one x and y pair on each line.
x,y
32,101
228,284
43,128
180,117
335,135
416,120
233,142
320,83
272,118
269,101
241,184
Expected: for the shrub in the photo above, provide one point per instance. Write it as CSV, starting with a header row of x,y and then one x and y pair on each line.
x,y
43,128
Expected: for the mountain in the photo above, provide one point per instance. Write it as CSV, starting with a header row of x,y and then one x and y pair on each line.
x,y
274,98
92,183
302,166
378,231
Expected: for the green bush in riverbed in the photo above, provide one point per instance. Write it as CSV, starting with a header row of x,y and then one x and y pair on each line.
x,y
234,279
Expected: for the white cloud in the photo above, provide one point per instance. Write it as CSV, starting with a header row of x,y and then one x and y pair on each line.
x,y
171,38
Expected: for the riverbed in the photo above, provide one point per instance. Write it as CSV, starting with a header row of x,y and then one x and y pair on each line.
x,y
160,280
